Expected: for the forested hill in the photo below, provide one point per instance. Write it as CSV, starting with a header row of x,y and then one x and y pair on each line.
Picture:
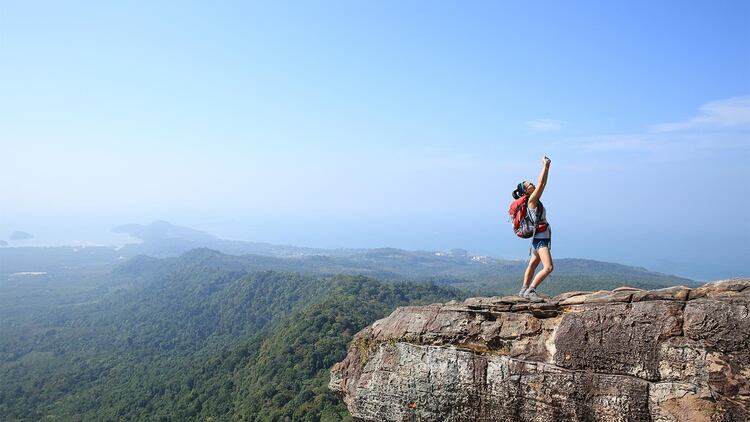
x,y
479,276
208,335
200,337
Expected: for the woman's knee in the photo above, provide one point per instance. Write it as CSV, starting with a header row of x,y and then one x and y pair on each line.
x,y
548,268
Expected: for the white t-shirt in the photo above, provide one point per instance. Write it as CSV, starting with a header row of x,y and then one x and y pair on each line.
x,y
534,217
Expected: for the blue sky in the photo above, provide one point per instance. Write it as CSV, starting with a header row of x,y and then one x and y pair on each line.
x,y
402,124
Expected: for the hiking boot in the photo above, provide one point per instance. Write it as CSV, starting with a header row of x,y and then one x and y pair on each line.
x,y
532,296
523,290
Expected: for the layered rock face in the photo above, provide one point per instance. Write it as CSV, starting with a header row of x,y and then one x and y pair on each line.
x,y
675,354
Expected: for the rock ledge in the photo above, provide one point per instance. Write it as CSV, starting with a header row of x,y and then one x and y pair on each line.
x,y
675,354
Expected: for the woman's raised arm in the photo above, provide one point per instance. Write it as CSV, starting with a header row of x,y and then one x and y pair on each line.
x,y
534,198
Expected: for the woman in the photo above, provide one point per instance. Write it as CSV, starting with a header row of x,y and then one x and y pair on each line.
x,y
541,243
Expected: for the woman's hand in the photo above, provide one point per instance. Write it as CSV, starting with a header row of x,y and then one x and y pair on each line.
x,y
546,161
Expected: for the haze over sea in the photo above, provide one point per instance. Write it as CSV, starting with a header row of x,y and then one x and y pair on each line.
x,y
402,124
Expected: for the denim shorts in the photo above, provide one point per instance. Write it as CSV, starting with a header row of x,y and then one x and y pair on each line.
x,y
541,243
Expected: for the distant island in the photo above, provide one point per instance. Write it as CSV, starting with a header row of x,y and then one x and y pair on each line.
x,y
19,235
160,230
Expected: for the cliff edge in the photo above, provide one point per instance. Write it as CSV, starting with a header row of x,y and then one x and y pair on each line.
x,y
675,354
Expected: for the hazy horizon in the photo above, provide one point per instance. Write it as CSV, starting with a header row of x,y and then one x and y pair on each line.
x,y
389,124
701,270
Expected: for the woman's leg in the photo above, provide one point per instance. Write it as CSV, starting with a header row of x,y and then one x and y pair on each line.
x,y
543,254
533,263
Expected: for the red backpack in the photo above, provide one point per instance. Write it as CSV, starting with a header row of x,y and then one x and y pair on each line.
x,y
522,225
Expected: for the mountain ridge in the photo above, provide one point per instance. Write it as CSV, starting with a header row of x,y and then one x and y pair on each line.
x,y
492,276
459,268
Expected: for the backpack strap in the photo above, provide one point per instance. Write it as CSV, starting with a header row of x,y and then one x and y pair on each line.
x,y
533,234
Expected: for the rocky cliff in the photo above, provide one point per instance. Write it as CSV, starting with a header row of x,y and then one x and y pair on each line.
x,y
675,354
